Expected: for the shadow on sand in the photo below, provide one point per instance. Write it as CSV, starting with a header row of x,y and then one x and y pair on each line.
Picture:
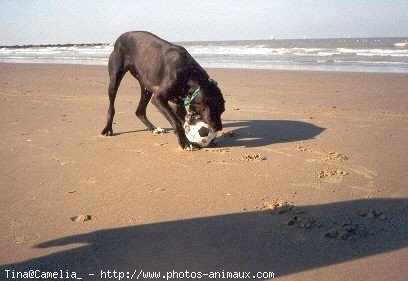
x,y
254,133
247,241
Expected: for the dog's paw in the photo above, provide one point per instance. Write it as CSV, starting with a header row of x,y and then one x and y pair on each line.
x,y
107,131
159,130
192,147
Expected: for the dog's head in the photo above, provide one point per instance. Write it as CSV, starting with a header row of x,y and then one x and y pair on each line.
x,y
209,104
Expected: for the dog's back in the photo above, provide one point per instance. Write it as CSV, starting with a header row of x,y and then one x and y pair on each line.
x,y
147,52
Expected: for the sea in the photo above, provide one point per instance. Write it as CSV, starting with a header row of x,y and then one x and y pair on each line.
x,y
383,55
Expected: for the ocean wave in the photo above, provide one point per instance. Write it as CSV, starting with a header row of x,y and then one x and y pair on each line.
x,y
383,55
258,50
402,44
363,62
374,52
249,50
50,52
225,50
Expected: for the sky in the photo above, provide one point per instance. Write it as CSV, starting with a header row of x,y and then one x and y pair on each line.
x,y
60,22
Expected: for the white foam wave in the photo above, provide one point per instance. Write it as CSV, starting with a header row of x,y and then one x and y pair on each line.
x,y
246,55
402,44
225,50
105,50
374,52
364,62
60,52
263,50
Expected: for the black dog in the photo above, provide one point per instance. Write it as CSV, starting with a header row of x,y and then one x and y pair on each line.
x,y
170,77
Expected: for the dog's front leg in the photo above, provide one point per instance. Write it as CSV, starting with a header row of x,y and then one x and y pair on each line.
x,y
179,110
160,101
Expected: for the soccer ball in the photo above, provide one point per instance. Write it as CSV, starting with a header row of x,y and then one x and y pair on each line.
x,y
199,132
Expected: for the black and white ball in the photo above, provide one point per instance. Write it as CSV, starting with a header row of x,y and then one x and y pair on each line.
x,y
199,132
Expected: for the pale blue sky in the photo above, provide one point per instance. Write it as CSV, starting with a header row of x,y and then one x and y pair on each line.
x,y
92,21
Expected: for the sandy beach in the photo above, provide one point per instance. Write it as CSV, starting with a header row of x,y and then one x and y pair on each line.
x,y
308,181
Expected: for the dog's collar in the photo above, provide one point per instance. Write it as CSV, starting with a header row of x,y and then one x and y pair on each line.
x,y
188,100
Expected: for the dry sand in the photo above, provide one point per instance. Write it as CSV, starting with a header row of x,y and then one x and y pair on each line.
x,y
330,145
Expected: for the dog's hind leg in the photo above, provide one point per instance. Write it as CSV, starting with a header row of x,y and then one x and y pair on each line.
x,y
116,73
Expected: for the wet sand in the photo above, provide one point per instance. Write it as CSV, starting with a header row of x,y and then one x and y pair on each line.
x,y
308,179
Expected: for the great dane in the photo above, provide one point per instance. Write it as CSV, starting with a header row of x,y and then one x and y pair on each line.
x,y
169,77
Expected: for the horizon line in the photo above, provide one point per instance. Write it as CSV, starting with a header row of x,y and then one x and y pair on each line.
x,y
196,41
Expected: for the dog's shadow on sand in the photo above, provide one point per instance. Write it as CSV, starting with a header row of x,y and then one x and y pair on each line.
x,y
245,241
255,133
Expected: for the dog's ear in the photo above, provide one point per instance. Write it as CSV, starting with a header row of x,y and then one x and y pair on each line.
x,y
213,81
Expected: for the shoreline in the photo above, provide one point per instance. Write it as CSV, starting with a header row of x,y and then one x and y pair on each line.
x,y
224,69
